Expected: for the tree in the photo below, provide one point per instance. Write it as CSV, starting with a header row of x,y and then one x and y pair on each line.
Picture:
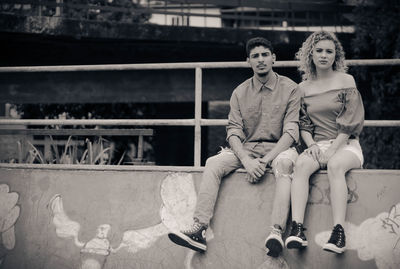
x,y
126,11
377,37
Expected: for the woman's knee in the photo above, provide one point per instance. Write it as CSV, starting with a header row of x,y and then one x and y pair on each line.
x,y
335,167
304,163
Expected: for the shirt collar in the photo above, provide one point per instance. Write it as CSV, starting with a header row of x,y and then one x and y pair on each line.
x,y
270,84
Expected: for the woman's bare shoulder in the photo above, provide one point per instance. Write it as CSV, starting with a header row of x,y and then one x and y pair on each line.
x,y
345,80
306,87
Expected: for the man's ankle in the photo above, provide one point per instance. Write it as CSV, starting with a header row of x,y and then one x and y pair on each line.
x,y
196,220
277,227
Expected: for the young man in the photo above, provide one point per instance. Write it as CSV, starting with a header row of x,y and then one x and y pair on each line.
x,y
263,124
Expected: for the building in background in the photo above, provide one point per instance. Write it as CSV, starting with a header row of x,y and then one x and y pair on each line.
x,y
266,15
283,15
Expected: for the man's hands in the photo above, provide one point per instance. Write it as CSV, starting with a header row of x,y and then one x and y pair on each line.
x,y
255,168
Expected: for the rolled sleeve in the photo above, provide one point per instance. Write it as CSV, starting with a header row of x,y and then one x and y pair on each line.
x,y
291,120
235,121
292,129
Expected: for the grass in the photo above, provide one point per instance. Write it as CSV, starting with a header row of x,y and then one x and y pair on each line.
x,y
97,152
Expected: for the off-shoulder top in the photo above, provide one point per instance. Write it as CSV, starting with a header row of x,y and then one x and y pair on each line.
x,y
329,113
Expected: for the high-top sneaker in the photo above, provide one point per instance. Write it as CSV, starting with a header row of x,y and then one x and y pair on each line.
x,y
337,241
274,242
193,238
296,239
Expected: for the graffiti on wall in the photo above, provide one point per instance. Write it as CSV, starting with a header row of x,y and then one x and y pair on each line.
x,y
179,198
375,238
9,213
319,193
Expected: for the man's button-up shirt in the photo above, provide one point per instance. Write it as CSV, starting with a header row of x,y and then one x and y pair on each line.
x,y
264,112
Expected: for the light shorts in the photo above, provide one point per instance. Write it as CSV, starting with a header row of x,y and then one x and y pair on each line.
x,y
352,145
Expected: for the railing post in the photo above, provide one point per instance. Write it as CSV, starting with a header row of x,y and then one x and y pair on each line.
x,y
140,148
59,9
197,117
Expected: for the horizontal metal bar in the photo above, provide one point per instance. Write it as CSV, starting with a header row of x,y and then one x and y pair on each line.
x,y
110,122
83,132
124,67
382,123
151,122
367,123
160,66
373,62
214,122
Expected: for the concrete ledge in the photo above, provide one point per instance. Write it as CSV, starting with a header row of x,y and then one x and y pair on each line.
x,y
157,168
58,216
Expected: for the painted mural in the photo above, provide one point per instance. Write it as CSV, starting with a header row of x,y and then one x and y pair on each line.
x,y
320,193
179,198
375,238
9,213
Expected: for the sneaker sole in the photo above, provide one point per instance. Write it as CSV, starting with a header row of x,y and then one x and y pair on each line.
x,y
295,242
332,248
185,241
274,247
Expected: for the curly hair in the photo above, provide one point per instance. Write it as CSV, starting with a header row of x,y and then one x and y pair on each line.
x,y
304,55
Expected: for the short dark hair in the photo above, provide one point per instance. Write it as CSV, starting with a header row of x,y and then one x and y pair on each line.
x,y
258,41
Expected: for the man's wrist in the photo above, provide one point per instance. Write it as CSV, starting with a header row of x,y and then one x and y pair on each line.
x,y
267,161
245,158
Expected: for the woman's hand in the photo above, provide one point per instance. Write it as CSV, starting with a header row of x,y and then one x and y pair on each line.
x,y
324,158
313,151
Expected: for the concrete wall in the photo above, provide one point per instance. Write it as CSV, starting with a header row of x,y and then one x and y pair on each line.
x,y
55,217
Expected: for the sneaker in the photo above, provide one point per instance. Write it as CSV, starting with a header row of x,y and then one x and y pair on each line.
x,y
296,239
337,242
194,238
274,242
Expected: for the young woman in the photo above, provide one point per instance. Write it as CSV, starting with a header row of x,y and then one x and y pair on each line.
x,y
332,116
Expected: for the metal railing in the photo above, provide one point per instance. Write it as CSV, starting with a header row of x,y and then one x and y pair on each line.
x,y
197,121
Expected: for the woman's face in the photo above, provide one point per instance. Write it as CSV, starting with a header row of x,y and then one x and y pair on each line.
x,y
324,54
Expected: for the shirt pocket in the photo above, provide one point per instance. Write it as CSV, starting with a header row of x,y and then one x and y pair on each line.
x,y
250,117
277,113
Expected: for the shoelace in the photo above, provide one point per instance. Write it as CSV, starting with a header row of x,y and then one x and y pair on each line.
x,y
298,228
195,227
276,231
337,236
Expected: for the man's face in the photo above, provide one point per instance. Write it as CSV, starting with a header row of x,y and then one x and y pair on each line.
x,y
261,60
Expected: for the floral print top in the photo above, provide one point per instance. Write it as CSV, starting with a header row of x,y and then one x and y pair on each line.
x,y
329,113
